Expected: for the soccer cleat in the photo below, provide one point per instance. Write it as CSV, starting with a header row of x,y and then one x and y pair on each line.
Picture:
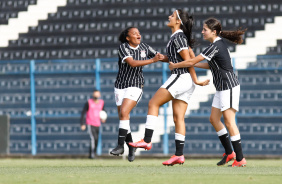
x,y
242,163
175,160
131,154
117,151
141,144
226,158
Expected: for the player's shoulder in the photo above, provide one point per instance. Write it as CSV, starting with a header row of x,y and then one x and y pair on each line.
x,y
144,45
123,45
180,36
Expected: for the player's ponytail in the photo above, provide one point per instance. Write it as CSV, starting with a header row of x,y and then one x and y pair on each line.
x,y
124,34
233,36
186,26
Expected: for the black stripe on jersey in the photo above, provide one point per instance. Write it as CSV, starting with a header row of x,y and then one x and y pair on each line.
x,y
174,80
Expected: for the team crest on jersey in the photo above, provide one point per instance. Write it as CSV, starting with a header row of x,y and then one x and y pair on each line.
x,y
143,53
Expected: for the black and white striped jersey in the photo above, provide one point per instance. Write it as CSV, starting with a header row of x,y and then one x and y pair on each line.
x,y
218,57
178,42
132,76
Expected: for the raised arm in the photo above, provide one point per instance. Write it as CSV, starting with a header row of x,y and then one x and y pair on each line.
x,y
186,63
136,63
198,65
202,65
186,54
193,72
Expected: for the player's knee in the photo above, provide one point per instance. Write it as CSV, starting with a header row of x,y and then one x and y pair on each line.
x,y
175,119
229,124
124,113
178,118
212,120
152,104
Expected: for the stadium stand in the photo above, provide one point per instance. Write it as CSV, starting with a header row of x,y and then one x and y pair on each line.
x,y
10,9
87,29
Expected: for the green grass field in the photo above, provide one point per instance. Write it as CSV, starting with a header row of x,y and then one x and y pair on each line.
x,y
147,171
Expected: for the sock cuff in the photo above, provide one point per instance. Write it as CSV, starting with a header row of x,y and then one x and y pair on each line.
x,y
129,130
235,137
151,120
179,137
124,124
221,132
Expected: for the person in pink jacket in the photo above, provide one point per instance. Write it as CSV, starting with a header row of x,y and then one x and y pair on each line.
x,y
92,109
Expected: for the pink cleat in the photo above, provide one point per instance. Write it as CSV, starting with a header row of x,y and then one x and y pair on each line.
x,y
226,159
242,163
175,160
141,144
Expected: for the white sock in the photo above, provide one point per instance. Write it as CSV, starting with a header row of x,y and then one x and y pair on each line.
x,y
221,132
179,137
124,124
151,120
235,137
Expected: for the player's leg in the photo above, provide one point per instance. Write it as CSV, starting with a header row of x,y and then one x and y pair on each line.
x,y
179,108
131,150
126,100
92,141
161,97
229,120
96,136
128,139
124,111
221,131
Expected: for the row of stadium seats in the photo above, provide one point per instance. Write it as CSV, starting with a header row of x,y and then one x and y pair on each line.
x,y
75,111
251,98
111,129
195,147
11,8
68,33
166,9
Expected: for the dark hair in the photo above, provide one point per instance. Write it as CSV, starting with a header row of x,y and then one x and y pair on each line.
x,y
233,36
124,34
187,26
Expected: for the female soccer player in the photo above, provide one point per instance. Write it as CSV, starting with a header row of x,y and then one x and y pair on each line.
x,y
178,88
226,99
133,55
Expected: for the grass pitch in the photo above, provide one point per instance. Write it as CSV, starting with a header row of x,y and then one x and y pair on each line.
x,y
147,171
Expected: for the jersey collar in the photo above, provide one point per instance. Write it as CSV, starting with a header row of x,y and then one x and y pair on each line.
x,y
133,47
217,38
178,31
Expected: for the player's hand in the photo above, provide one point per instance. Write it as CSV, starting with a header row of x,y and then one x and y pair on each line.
x,y
203,83
157,57
162,57
171,65
103,120
83,127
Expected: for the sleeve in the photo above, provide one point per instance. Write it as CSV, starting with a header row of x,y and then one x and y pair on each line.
x,y
209,52
180,43
123,52
83,112
151,52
